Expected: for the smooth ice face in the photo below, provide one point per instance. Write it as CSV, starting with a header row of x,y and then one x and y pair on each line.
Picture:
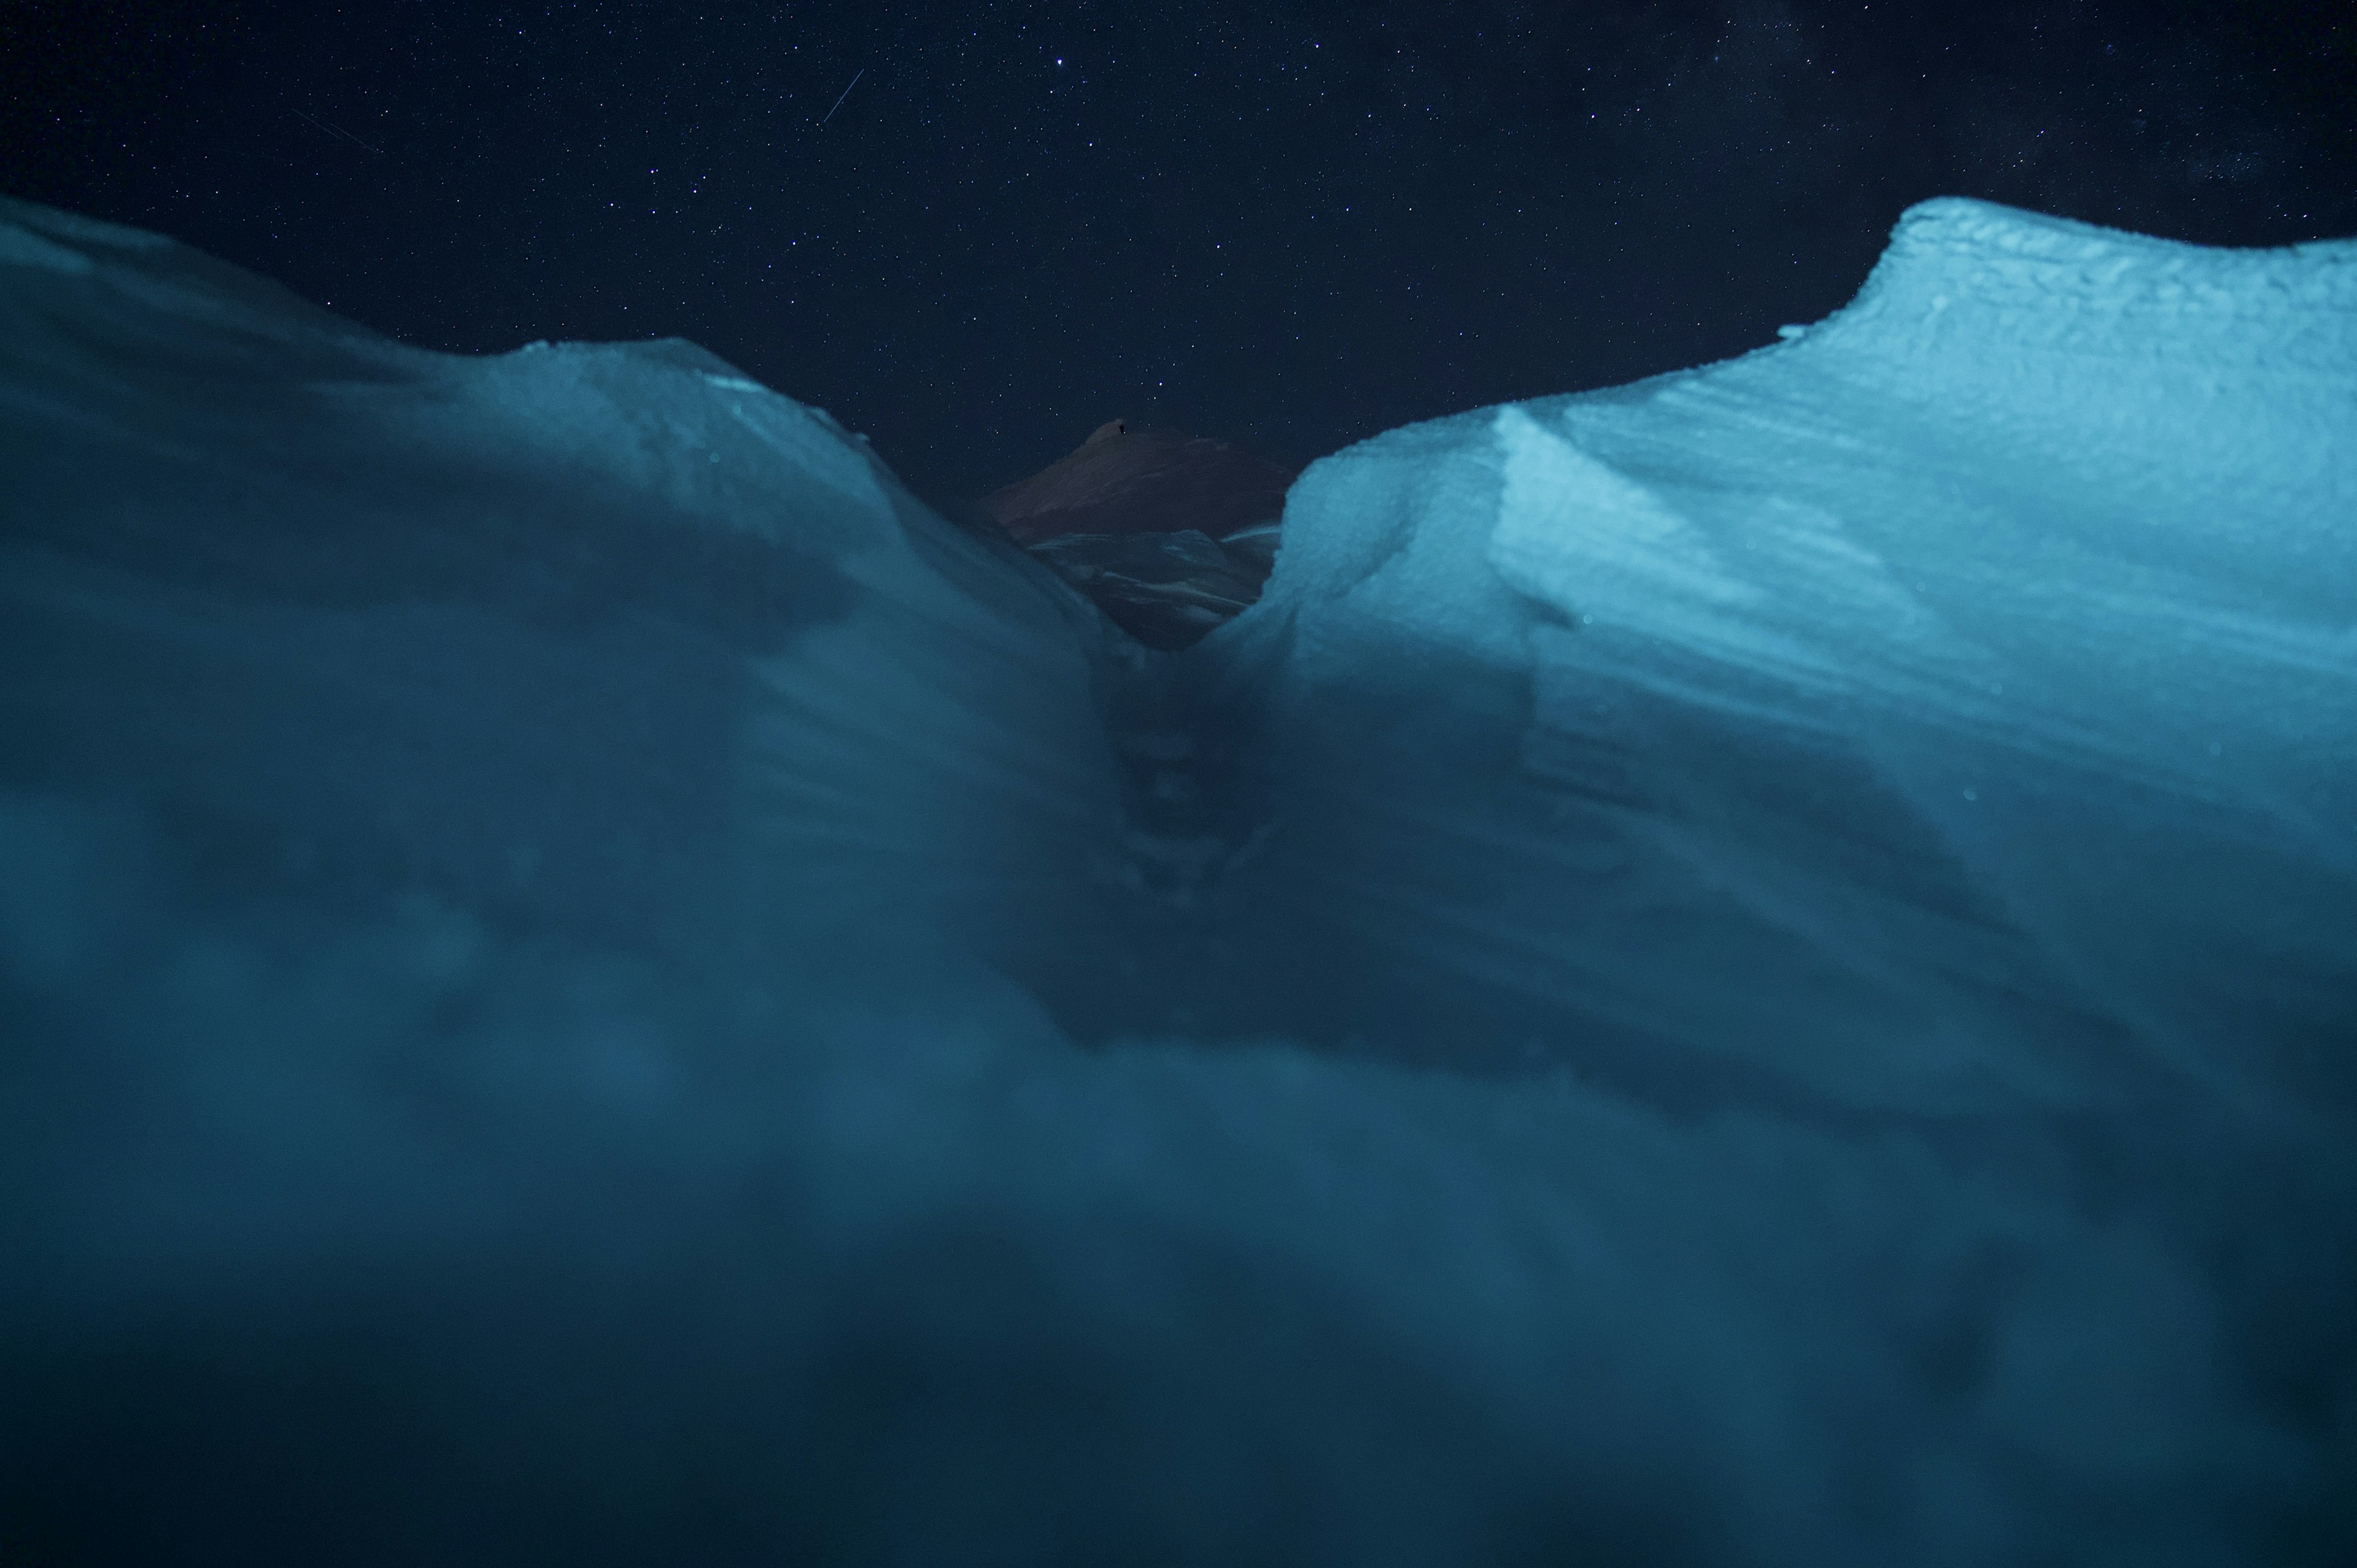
x,y
1753,968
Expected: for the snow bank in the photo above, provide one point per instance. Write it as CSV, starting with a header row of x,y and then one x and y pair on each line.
x,y
1955,705
429,781
586,982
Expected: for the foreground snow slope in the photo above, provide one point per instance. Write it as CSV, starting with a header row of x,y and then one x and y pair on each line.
x,y
586,982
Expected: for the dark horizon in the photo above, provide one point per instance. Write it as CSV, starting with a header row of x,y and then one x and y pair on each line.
x,y
975,234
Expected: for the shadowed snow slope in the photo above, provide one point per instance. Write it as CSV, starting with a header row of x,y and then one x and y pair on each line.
x,y
1756,969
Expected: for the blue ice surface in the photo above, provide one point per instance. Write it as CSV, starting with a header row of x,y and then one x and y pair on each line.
x,y
1759,968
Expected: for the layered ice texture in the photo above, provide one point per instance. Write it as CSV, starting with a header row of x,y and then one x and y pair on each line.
x,y
1759,968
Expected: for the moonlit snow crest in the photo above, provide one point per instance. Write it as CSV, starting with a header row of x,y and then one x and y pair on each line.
x,y
1756,968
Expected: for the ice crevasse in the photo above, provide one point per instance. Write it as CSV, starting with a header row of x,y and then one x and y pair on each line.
x,y
1759,967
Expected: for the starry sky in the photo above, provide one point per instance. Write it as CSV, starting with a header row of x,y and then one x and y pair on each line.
x,y
1293,224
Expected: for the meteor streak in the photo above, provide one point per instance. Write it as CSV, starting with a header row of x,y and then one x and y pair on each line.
x,y
847,92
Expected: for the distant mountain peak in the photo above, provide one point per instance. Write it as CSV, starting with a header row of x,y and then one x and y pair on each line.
x,y
1122,481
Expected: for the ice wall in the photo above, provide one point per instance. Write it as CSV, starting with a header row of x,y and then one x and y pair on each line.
x,y
1955,706
605,638
1935,736
586,982
434,790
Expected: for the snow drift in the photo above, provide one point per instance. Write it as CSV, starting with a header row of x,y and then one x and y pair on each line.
x,y
1753,968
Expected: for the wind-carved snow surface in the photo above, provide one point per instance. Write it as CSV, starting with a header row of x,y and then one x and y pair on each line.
x,y
1754,969
1955,708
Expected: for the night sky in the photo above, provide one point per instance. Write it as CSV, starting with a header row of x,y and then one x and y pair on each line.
x,y
1291,224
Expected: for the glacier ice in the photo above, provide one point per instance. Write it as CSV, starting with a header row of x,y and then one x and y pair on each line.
x,y
1980,667
1758,968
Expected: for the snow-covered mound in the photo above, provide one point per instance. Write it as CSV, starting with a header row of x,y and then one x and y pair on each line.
x,y
1754,969
606,638
1954,708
